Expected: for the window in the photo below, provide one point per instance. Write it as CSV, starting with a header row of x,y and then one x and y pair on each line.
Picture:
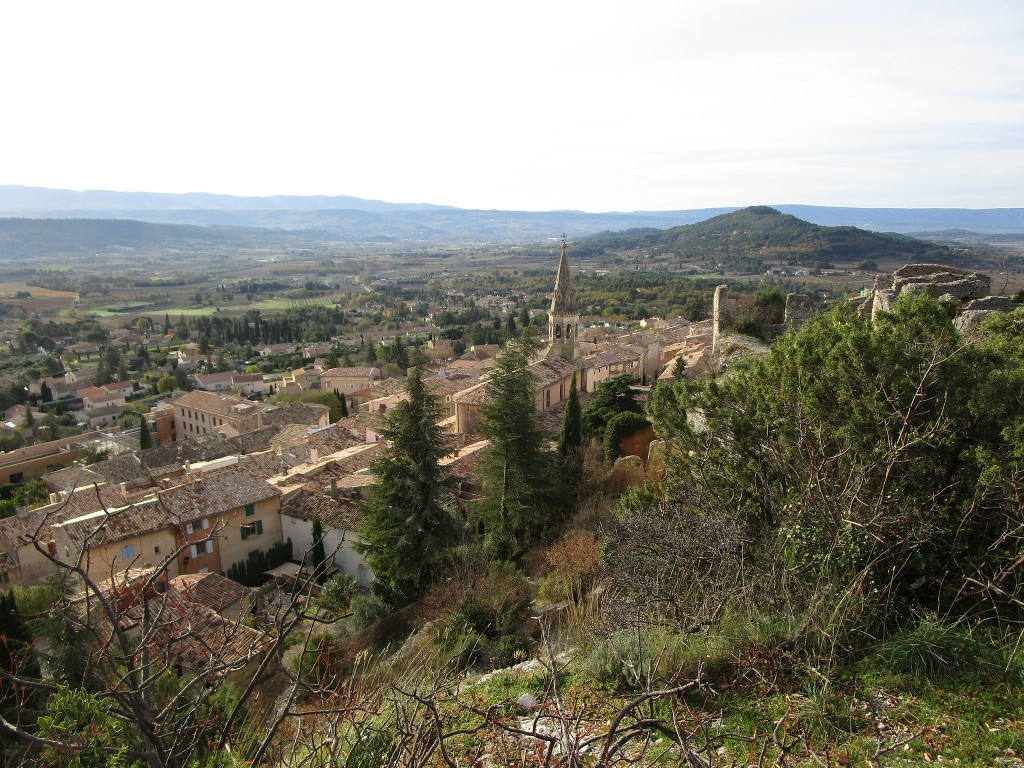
x,y
254,528
156,550
128,552
17,477
202,548
249,510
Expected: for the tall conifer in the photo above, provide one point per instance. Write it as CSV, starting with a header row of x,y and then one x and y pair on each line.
x,y
409,523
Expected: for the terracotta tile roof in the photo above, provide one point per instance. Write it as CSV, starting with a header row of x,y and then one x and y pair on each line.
x,y
309,503
214,493
351,373
221,405
246,378
114,525
210,590
198,638
474,396
612,354
297,413
449,385
25,527
212,379
552,369
75,476
265,464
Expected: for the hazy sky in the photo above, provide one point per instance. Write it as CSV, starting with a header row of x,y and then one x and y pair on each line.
x,y
528,105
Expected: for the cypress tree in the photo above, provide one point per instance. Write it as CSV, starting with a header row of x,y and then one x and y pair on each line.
x,y
145,440
317,553
571,436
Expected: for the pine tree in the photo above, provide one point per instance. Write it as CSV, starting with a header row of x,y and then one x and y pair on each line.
x,y
408,524
145,440
571,436
523,492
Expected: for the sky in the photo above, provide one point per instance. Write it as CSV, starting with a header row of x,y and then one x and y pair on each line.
x,y
595,105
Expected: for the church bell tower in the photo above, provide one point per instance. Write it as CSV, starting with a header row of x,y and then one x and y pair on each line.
x,y
564,317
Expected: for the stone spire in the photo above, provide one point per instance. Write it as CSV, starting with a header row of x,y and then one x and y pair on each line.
x,y
564,317
564,300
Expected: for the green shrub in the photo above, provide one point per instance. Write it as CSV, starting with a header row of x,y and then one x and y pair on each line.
x,y
934,649
336,595
629,660
367,610
620,426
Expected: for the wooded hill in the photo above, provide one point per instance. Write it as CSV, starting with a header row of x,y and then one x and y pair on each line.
x,y
748,239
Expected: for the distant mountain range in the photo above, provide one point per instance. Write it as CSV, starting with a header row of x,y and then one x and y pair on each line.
x,y
354,219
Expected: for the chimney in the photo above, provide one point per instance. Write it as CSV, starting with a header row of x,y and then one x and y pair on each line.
x,y
334,488
124,488
314,457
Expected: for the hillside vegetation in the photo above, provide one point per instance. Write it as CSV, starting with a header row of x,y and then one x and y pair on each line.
x,y
749,239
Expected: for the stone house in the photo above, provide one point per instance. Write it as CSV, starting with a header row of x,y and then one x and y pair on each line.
x,y
348,381
340,521
19,534
110,541
202,413
220,517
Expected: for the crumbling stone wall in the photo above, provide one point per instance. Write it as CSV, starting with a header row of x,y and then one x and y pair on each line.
x,y
798,308
936,280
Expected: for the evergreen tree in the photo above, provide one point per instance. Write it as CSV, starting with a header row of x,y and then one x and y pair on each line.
x,y
610,397
344,405
401,355
571,436
409,526
317,553
145,440
371,352
26,420
45,395
522,490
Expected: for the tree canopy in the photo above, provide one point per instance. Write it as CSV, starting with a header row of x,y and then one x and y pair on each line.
x,y
524,493
866,471
410,523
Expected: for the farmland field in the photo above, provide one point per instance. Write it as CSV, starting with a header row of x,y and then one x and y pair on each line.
x,y
38,299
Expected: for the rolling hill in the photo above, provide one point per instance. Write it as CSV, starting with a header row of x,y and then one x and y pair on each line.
x,y
747,239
